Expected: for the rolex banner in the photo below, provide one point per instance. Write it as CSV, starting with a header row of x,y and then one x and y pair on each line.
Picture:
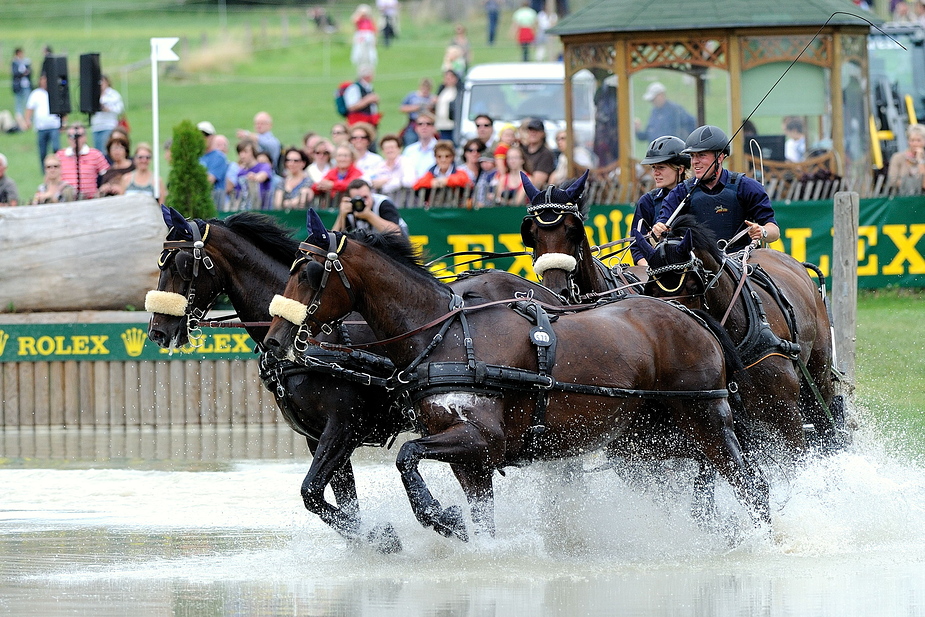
x,y
114,342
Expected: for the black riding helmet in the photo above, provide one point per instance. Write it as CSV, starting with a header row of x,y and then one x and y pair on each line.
x,y
667,149
707,138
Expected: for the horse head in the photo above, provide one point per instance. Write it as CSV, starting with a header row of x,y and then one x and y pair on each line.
x,y
554,229
187,286
318,292
676,265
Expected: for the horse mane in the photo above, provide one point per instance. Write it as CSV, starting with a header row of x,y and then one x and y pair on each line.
x,y
398,247
264,232
702,236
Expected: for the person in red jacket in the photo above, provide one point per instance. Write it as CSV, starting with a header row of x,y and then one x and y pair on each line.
x,y
342,174
445,173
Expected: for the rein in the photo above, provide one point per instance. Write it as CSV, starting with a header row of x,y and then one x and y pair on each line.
x,y
458,309
479,256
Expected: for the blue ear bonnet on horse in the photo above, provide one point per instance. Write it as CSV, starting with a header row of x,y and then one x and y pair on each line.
x,y
178,230
317,233
547,206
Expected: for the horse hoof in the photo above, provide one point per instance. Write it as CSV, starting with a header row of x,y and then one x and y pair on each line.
x,y
384,539
450,523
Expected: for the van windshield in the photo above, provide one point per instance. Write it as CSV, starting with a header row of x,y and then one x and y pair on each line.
x,y
512,102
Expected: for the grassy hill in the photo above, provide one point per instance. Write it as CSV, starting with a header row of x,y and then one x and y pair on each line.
x,y
232,64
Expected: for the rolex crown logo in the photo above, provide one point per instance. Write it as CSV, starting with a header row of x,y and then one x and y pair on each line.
x,y
134,339
4,337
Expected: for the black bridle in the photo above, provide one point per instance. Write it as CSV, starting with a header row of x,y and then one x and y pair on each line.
x,y
331,263
201,259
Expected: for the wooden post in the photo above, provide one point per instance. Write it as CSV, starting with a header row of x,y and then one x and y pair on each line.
x,y
845,280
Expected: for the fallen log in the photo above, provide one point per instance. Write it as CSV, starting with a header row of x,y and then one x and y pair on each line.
x,y
99,254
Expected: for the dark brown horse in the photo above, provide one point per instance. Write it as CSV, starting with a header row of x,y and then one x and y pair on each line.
x,y
562,256
248,256
492,388
784,338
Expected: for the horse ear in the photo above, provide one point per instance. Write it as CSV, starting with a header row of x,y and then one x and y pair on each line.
x,y
317,234
177,222
529,189
687,245
173,218
643,244
165,212
575,189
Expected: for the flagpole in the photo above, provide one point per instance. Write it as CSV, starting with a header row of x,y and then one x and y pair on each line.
x,y
161,50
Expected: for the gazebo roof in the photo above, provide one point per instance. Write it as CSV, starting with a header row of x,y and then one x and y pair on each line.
x,y
660,15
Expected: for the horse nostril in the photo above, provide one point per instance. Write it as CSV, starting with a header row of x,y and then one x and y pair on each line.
x,y
271,343
156,336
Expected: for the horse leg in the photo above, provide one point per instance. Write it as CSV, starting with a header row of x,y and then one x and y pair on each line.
x,y
468,445
703,506
710,424
476,482
344,487
331,465
343,483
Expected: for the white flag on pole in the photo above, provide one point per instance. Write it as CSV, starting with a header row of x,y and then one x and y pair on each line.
x,y
162,48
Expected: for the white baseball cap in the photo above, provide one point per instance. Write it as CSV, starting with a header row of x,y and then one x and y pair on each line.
x,y
206,127
654,89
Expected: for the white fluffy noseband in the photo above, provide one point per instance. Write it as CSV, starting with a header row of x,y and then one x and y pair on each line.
x,y
165,303
554,261
289,309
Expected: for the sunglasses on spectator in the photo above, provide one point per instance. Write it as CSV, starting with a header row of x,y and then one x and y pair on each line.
x,y
483,126
352,137
338,132
52,166
322,153
473,150
143,157
425,123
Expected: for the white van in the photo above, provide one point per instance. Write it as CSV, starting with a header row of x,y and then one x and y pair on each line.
x,y
512,91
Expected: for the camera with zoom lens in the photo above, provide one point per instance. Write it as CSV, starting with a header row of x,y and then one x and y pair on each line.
x,y
358,203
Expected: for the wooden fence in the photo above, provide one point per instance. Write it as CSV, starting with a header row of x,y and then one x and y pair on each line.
x,y
134,394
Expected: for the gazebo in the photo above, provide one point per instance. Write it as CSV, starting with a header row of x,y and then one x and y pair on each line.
x,y
725,62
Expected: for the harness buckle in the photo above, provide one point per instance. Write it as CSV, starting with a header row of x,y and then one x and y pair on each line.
x,y
300,342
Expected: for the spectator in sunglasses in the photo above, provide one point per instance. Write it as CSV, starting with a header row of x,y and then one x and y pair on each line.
x,y
92,163
322,160
420,155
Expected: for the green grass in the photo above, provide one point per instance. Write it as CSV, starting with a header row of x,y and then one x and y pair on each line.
x,y
891,365
226,74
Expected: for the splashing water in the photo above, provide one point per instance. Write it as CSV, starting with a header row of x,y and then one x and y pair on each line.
x,y
848,538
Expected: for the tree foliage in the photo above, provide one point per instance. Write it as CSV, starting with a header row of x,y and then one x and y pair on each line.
x,y
190,191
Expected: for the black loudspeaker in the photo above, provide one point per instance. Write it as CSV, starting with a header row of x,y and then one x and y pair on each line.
x,y
59,91
90,83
